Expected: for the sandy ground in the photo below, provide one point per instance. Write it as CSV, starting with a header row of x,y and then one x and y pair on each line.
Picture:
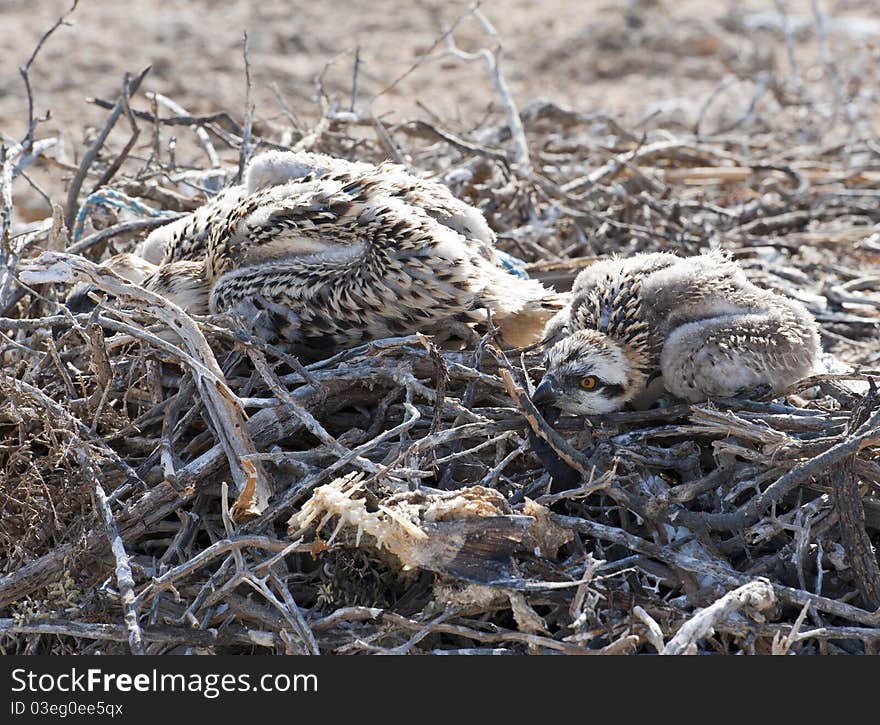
x,y
625,58
647,63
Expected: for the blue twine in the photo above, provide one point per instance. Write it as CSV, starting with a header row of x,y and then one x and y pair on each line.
x,y
512,264
112,198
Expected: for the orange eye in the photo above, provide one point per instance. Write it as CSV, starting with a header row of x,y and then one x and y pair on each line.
x,y
588,383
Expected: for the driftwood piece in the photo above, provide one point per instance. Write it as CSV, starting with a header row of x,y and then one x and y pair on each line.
x,y
756,595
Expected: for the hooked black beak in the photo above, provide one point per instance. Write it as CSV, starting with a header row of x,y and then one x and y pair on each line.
x,y
546,392
79,301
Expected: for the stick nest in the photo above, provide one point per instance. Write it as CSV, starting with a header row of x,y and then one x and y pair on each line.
x,y
406,510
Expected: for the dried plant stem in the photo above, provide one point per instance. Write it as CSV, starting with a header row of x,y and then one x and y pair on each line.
x,y
756,595
222,404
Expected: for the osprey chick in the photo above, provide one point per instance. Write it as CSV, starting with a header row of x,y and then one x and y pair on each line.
x,y
322,253
697,321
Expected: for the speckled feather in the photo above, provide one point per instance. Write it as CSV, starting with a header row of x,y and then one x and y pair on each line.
x,y
697,320
338,252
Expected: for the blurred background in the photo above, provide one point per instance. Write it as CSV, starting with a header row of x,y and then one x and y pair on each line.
x,y
631,59
808,66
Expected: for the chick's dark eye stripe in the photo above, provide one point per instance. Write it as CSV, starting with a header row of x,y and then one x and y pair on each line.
x,y
610,388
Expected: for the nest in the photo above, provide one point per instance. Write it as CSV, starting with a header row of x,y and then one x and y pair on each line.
x,y
203,490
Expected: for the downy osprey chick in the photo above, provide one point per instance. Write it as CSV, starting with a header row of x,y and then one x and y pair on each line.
x,y
697,321
325,253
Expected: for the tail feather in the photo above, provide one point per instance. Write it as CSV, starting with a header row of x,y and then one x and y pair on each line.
x,y
521,308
